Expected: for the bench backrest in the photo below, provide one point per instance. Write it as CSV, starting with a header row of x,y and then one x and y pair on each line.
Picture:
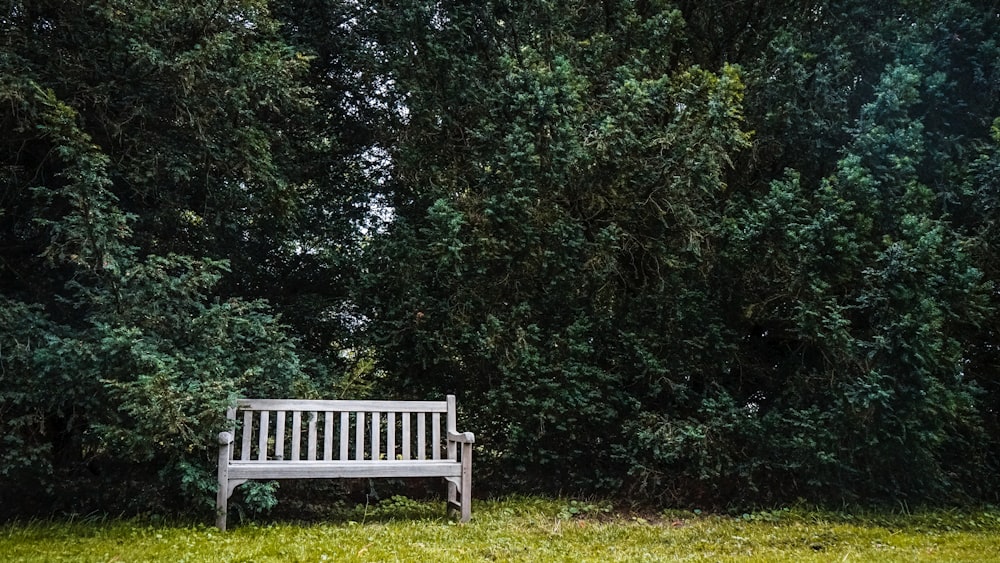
x,y
316,430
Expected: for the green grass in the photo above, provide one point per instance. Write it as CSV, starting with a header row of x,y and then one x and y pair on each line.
x,y
524,530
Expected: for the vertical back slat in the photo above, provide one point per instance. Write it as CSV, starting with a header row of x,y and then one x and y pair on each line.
x,y
311,453
231,417
407,439
247,432
436,435
450,401
328,435
390,436
279,435
359,436
452,447
345,425
296,435
262,435
376,436
421,436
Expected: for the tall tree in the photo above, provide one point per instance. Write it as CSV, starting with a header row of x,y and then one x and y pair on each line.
x,y
555,188
856,283
149,191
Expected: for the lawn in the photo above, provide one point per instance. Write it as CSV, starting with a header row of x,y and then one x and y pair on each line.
x,y
523,529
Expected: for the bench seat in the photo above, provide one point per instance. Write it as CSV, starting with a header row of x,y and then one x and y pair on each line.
x,y
343,470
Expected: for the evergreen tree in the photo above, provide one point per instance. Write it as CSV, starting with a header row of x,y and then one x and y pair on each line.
x,y
556,190
148,154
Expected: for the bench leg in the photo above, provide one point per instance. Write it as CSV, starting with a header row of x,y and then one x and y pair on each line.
x,y
225,485
221,506
466,508
222,497
460,488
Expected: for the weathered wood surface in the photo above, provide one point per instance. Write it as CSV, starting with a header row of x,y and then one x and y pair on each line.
x,y
342,469
340,405
344,439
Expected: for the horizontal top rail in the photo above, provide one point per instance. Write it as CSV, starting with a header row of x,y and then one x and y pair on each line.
x,y
341,405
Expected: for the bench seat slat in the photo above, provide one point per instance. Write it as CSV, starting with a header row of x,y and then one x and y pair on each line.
x,y
342,470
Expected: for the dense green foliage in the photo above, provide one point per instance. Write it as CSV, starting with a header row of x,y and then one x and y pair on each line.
x,y
554,230
699,251
150,195
586,246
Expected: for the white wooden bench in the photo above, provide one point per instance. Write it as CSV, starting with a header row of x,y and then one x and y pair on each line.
x,y
312,439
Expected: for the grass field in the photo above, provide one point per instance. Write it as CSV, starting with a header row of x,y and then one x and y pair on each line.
x,y
523,529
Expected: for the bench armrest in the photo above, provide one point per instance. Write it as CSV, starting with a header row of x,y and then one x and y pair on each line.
x,y
225,438
461,437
